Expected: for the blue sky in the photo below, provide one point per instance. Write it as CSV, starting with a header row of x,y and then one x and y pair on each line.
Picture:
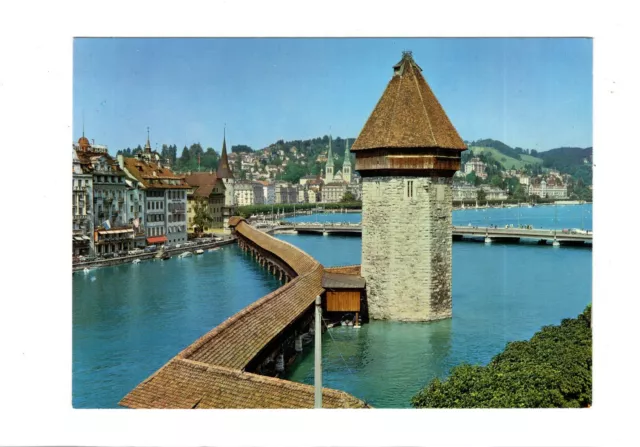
x,y
532,93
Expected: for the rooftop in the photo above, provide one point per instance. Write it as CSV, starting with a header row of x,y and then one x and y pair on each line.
x,y
408,115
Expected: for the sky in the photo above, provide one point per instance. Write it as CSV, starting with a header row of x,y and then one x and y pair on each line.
x,y
532,93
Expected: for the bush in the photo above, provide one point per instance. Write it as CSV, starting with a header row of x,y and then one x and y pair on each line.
x,y
552,370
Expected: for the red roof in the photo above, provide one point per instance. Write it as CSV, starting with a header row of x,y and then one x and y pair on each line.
x,y
156,239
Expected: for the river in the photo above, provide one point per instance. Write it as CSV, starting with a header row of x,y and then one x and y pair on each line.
x,y
129,320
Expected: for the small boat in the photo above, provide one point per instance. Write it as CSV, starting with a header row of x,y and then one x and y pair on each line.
x,y
136,261
165,256
86,270
186,254
199,251
213,249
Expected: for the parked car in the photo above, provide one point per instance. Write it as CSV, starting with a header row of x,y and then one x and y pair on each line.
x,y
109,255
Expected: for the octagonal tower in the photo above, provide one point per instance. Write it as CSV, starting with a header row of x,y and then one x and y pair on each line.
x,y
407,154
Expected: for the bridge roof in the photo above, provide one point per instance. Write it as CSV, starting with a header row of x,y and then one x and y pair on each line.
x,y
186,384
342,281
408,115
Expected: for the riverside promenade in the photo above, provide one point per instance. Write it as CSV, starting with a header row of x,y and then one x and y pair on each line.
x,y
231,365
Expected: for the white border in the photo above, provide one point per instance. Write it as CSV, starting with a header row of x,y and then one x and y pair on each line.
x,y
35,320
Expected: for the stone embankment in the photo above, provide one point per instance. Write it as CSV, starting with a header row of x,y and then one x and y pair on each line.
x,y
146,256
222,368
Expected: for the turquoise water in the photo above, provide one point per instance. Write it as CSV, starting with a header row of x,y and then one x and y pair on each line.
x,y
129,320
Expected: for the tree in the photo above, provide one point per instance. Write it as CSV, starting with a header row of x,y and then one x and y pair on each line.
x,y
482,196
185,157
552,370
202,217
241,148
348,197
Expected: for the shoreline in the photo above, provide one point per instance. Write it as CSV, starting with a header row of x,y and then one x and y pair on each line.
x,y
146,256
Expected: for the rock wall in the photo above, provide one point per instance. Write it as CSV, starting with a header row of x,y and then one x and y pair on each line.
x,y
406,247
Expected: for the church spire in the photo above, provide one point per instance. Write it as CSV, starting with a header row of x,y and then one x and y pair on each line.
x,y
330,154
223,167
347,155
147,147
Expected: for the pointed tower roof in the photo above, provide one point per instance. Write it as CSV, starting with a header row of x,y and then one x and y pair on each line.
x,y
223,167
347,155
330,154
408,115
147,147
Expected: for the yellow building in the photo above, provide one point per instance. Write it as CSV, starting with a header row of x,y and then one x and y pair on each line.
x,y
208,186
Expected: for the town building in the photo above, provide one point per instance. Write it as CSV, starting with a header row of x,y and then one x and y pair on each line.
x,y
285,193
112,228
551,188
82,239
224,173
208,188
476,165
333,192
165,196
464,191
407,154
493,193
248,192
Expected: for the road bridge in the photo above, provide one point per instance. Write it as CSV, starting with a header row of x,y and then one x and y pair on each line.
x,y
459,233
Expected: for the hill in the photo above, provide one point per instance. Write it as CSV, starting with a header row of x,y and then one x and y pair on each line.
x,y
507,162
575,161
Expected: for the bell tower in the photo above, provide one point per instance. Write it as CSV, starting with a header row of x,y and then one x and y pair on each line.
x,y
407,154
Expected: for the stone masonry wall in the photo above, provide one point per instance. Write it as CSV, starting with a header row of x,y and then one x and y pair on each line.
x,y
406,247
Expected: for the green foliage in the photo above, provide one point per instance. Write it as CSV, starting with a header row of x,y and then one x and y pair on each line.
x,y
241,148
248,211
482,196
348,197
293,172
500,147
551,370
202,217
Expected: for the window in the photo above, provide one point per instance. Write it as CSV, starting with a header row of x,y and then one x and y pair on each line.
x,y
410,188
132,208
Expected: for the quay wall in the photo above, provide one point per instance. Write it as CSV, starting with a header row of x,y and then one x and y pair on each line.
x,y
146,256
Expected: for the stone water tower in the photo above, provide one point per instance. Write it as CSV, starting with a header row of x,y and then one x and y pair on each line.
x,y
407,154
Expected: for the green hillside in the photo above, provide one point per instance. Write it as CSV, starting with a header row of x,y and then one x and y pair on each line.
x,y
506,161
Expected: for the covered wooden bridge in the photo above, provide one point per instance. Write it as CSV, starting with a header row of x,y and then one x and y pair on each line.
x,y
229,366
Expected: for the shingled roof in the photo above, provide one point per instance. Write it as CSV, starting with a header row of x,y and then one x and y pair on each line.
x,y
152,175
208,373
202,182
185,384
408,115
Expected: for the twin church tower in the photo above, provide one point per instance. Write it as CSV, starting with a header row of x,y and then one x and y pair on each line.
x,y
407,154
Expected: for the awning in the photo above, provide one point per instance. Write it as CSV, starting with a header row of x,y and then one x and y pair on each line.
x,y
156,239
86,238
77,238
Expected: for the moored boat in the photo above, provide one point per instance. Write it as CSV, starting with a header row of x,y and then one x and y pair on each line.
x,y
165,256
199,251
186,254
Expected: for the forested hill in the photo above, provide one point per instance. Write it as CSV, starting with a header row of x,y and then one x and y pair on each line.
x,y
564,158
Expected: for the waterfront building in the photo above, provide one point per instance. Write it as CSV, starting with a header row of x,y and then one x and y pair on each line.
x,y
475,165
552,188
464,191
494,193
248,192
407,154
285,192
333,192
524,179
224,173
111,227
82,231
165,196
205,186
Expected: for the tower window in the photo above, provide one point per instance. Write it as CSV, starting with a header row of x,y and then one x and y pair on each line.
x,y
410,188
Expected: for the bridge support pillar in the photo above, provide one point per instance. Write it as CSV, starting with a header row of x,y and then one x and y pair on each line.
x,y
487,240
298,343
556,243
280,363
